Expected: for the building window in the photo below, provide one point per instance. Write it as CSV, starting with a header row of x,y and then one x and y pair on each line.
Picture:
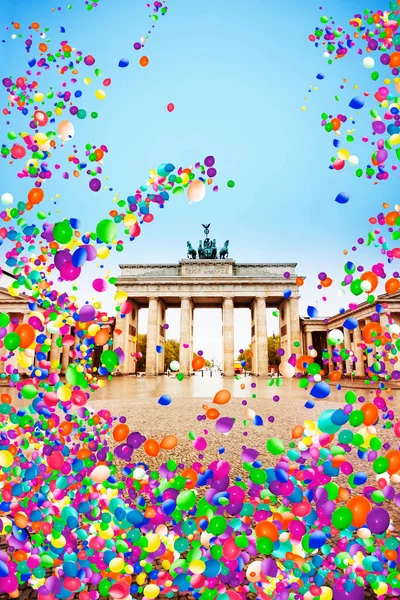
x,y
253,331
283,330
132,330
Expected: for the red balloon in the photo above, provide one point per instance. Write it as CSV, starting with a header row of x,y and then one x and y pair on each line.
x,y
18,151
148,218
170,107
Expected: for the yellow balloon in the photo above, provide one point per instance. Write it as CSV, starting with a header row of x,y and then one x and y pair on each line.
x,y
343,154
151,591
130,220
93,329
38,97
395,139
64,393
120,297
6,458
197,566
100,94
153,542
326,593
87,81
103,252
116,565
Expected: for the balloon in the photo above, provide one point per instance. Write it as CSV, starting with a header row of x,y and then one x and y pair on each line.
x,y
335,337
392,285
100,474
164,400
320,390
99,285
222,397
360,507
174,365
198,363
26,335
95,184
124,62
342,198
286,370
7,199
35,196
100,94
342,517
151,447
275,446
79,257
393,457
68,272
196,190
357,593
169,442
371,331
62,232
102,336
121,432
144,61
11,341
65,131
106,231
110,359
378,520
170,107
372,278
371,413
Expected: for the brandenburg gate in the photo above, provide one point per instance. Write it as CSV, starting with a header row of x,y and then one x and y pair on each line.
x,y
207,282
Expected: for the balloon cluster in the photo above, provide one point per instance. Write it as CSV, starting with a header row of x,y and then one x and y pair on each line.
x,y
377,35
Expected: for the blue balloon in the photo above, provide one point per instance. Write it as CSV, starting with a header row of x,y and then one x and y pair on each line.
x,y
350,323
320,390
357,102
164,400
320,76
342,198
287,293
79,257
159,349
124,62
312,312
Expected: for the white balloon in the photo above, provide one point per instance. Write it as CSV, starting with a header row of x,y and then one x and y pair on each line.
x,y
7,199
66,131
366,286
317,378
368,62
174,365
394,329
286,370
353,160
335,337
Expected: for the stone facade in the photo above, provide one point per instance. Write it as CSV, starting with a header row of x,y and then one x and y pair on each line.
x,y
223,284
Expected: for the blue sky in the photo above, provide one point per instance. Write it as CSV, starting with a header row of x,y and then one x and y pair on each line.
x,y
237,73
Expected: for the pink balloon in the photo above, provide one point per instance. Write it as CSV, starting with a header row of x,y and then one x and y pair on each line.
x,y
126,308
68,272
135,230
100,285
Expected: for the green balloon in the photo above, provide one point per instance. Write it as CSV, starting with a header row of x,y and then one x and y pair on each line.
x,y
275,446
106,231
186,500
380,464
313,368
180,376
29,392
217,525
11,341
62,232
4,319
264,545
110,359
342,517
356,418
350,397
355,287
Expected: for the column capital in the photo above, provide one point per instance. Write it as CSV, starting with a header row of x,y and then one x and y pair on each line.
x,y
227,299
185,298
261,299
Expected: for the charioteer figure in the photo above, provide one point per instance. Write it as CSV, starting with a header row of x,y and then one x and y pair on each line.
x,y
208,249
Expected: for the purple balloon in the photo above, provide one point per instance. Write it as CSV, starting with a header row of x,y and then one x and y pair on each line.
x,y
95,184
123,451
62,257
209,161
69,272
378,520
269,568
357,593
87,313
378,127
91,252
135,439
224,424
7,82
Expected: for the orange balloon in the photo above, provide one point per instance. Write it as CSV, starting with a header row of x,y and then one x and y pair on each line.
x,y
372,278
222,397
191,477
65,428
392,285
6,399
26,335
198,363
212,414
267,529
371,413
169,442
297,432
35,195
335,124
394,60
393,457
299,281
360,507
144,61
369,329
335,375
242,386
326,282
121,432
102,336
304,359
392,217
151,447
21,520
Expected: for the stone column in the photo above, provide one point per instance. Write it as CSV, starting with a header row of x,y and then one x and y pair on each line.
x,y
261,337
295,332
330,352
64,359
370,355
129,326
54,349
228,337
347,345
308,342
253,338
284,324
360,370
384,321
152,337
185,354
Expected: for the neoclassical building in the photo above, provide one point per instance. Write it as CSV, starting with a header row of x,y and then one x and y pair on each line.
x,y
315,332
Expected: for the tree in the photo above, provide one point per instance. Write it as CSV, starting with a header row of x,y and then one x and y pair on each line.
x,y
274,342
247,356
171,352
141,347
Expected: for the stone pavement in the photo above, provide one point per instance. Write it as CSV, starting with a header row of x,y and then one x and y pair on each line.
x,y
136,399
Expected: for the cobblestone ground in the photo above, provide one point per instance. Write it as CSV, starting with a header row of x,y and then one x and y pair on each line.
x,y
136,399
